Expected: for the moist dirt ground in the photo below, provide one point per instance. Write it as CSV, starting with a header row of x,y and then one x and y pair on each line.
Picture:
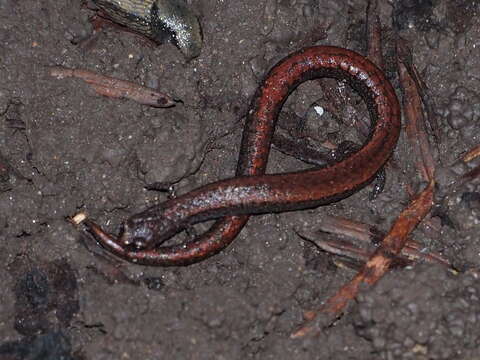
x,y
65,149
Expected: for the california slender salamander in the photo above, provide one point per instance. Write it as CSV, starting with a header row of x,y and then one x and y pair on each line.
x,y
231,201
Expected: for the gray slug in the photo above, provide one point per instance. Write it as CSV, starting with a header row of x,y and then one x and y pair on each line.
x,y
159,20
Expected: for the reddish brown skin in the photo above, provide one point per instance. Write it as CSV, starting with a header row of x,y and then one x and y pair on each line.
x,y
251,191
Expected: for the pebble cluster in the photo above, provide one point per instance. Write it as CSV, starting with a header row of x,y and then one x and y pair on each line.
x,y
422,313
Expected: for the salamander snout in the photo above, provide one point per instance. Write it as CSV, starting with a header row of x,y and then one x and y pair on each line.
x,y
137,235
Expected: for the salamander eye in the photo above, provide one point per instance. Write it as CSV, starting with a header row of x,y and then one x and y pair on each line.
x,y
142,236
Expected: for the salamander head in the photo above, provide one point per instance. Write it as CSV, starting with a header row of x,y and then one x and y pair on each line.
x,y
142,233
134,236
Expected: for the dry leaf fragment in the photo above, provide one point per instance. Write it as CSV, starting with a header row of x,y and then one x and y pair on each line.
x,y
116,88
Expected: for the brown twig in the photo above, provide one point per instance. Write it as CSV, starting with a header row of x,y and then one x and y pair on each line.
x,y
365,235
380,261
415,121
471,154
374,34
404,55
116,88
300,149
472,174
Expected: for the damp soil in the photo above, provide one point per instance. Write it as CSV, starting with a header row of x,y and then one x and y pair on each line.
x,y
64,149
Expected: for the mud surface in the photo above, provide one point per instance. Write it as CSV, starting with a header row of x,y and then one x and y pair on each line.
x,y
66,149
